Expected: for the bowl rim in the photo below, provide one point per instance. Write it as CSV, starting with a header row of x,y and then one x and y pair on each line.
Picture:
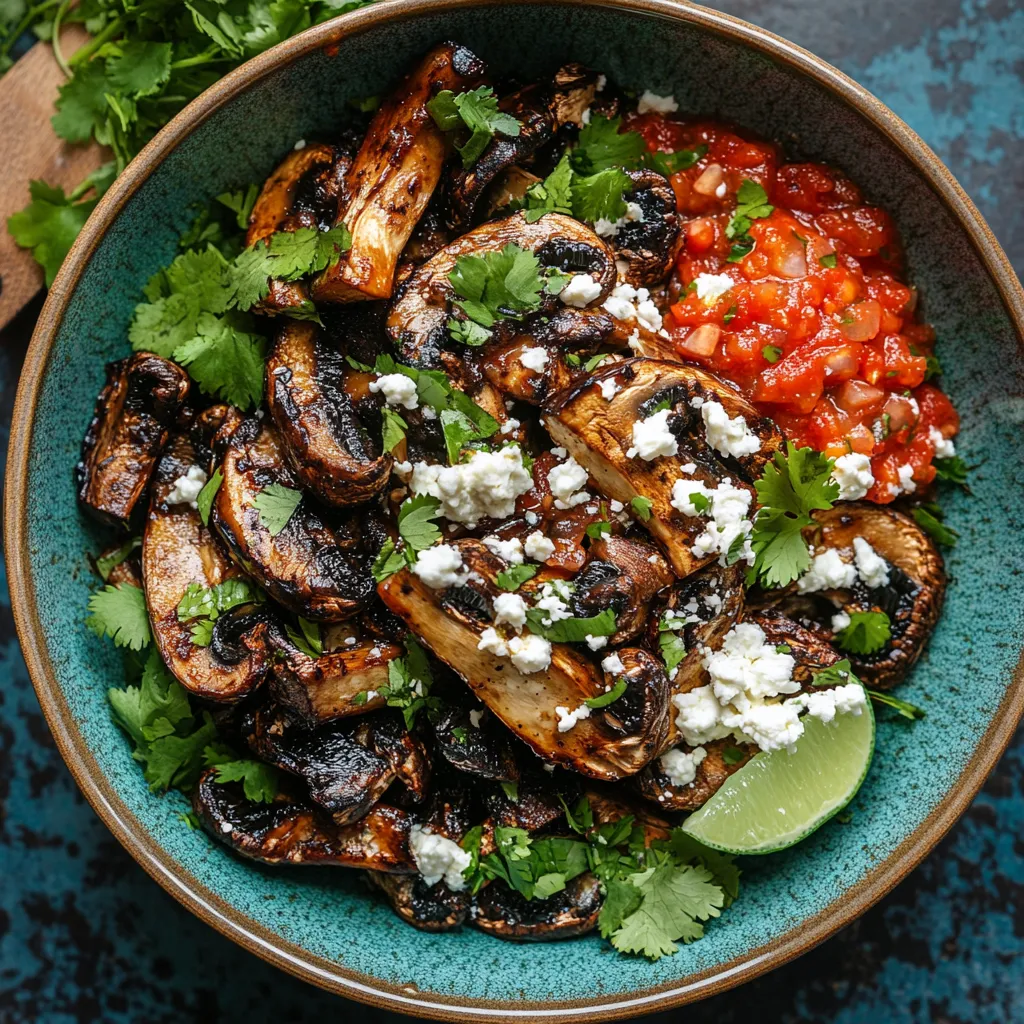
x,y
205,903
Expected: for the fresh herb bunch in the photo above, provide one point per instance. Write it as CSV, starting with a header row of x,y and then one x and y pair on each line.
x,y
144,63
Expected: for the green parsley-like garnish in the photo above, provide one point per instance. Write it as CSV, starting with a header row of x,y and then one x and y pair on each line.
x,y
571,630
602,700
276,505
929,518
119,611
204,500
641,507
515,576
867,633
106,564
476,112
751,204
202,606
904,707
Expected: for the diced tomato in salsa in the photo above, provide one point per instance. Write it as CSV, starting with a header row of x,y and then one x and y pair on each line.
x,y
816,328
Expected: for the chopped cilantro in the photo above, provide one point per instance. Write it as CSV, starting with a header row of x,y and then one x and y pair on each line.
x,y
835,675
552,195
466,332
393,428
672,163
772,353
641,507
416,524
952,471
515,576
602,700
602,145
867,633
204,500
476,111
276,505
599,529
511,791
927,519
700,502
828,260
389,560
119,611
306,638
460,733
732,755
571,630
409,683
905,708
599,196
259,781
751,204
497,285
106,564
730,314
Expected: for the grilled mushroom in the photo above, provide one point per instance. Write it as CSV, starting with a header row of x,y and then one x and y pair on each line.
x,y
451,624
393,177
326,445
419,315
536,804
471,740
599,434
649,243
291,831
430,908
314,569
299,193
505,914
134,414
179,552
541,110
623,574
714,763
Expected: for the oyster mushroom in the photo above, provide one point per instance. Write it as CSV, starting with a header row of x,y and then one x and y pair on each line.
x,y
393,177
315,569
298,194
506,914
326,445
649,243
179,552
291,831
451,624
598,433
417,323
134,414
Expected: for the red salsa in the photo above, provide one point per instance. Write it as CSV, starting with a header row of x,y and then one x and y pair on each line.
x,y
813,323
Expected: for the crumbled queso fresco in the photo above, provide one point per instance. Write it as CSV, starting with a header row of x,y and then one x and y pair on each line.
x,y
728,435
438,858
652,437
566,481
186,488
681,765
397,389
833,569
581,290
727,517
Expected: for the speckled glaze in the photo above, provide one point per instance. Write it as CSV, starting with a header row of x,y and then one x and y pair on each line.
x,y
323,925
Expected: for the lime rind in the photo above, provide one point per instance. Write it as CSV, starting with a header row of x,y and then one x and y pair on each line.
x,y
776,800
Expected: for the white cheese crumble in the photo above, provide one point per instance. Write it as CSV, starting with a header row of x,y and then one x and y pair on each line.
x,y
828,571
613,665
438,858
610,228
299,144
475,717
552,603
492,642
566,480
510,425
840,621
728,435
853,474
652,102
906,475
441,566
535,358
711,287
652,437
609,388
944,448
629,303
538,548
530,653
510,608
595,643
727,517
486,485
581,290
825,704
873,569
397,389
511,550
186,488
681,766
567,719
602,81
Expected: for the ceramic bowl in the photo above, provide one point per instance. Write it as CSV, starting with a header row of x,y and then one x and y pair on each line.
x,y
322,925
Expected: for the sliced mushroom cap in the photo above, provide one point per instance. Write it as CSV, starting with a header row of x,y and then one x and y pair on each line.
x,y
417,324
326,445
913,596
451,624
599,433
300,192
405,751
334,685
179,552
393,177
134,414
211,430
537,804
624,574
505,914
314,569
643,707
541,110
720,759
471,740
430,908
291,831
612,803
649,244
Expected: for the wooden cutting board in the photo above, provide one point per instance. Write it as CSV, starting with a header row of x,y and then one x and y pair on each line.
x,y
31,150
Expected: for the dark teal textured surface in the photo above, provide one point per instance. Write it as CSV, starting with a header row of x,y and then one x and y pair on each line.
x,y
83,934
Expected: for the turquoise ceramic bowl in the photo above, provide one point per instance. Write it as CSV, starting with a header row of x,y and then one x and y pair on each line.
x,y
323,925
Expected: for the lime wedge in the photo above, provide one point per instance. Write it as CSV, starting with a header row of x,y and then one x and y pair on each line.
x,y
777,799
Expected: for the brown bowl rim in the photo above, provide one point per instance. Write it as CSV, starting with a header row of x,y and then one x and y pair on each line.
x,y
205,903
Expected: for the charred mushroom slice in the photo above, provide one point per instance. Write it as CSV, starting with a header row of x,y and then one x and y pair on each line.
x,y
811,653
430,908
910,593
134,414
178,552
302,188
314,569
668,781
335,685
452,624
505,914
291,831
387,735
614,802
643,707
327,446
393,177
471,740
649,243
536,804
419,315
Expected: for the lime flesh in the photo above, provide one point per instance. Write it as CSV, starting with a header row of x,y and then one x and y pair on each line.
x,y
777,799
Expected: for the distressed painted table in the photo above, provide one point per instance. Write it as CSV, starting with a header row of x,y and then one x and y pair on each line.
x,y
85,935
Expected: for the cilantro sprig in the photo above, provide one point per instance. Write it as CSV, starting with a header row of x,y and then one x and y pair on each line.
x,y
408,685
119,611
475,112
751,204
867,633
201,606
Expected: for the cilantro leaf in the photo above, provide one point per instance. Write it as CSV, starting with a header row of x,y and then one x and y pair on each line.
x,y
388,561
599,196
106,564
672,648
829,260
515,576
458,429
867,633
240,203
393,428
552,195
751,204
466,332
409,683
82,107
260,781
497,285
793,485
623,898
479,114
276,504
602,145
641,507
416,524
672,163
602,700
835,675
119,611
139,68
204,500
905,708
176,760
225,360
572,630
309,640
952,471
935,528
